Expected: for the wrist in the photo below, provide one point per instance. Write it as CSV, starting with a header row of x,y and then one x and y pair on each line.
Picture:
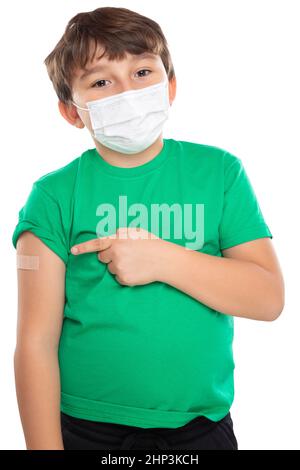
x,y
168,257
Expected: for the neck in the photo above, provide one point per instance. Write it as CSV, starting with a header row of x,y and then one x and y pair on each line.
x,y
129,161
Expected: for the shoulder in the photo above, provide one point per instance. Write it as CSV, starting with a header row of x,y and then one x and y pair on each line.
x,y
208,161
62,176
205,154
61,182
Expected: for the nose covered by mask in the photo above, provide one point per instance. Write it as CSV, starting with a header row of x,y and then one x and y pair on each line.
x,y
131,121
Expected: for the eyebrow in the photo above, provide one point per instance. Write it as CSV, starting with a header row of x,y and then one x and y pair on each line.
x,y
98,68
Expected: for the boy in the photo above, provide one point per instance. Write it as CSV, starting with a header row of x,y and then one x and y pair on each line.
x,y
126,342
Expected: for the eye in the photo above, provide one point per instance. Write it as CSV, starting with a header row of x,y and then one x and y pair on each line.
x,y
144,70
98,81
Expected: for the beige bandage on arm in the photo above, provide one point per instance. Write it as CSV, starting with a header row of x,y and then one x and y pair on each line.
x,y
28,262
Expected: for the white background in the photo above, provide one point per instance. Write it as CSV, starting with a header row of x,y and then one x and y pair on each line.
x,y
237,68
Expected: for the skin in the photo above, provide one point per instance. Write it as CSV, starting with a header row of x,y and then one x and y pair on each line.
x,y
130,73
40,314
246,281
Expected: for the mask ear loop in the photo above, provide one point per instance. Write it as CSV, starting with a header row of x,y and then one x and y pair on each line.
x,y
79,107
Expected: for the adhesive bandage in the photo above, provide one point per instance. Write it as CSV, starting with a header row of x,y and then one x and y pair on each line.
x,y
28,262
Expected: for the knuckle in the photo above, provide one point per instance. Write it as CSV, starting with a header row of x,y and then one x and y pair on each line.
x,y
123,280
120,267
117,251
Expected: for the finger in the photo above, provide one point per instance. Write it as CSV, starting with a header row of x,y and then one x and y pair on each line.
x,y
111,267
119,281
89,246
105,256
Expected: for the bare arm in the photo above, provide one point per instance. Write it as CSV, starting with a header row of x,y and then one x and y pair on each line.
x,y
246,282
41,295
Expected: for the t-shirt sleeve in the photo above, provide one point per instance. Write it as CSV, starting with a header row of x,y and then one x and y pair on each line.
x,y
42,216
242,219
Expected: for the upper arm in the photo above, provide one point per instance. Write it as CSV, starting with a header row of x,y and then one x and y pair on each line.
x,y
41,294
242,219
262,253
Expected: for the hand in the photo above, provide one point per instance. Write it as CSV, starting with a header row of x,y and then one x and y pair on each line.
x,y
132,254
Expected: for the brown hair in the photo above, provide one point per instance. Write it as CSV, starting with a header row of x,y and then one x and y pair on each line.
x,y
117,30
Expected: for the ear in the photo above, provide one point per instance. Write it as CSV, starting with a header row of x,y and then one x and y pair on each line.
x,y
69,113
172,89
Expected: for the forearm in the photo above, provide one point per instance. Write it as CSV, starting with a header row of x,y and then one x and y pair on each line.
x,y
227,285
38,394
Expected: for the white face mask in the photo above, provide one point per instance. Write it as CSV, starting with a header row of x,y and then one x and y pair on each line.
x,y
131,121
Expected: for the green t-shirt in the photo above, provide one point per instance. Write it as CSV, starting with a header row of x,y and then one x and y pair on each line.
x,y
145,355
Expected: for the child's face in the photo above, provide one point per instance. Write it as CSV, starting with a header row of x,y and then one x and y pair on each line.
x,y
105,78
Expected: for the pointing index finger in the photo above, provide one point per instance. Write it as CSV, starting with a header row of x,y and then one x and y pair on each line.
x,y
96,244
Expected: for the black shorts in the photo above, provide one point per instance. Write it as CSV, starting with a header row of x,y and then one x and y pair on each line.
x,y
199,434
